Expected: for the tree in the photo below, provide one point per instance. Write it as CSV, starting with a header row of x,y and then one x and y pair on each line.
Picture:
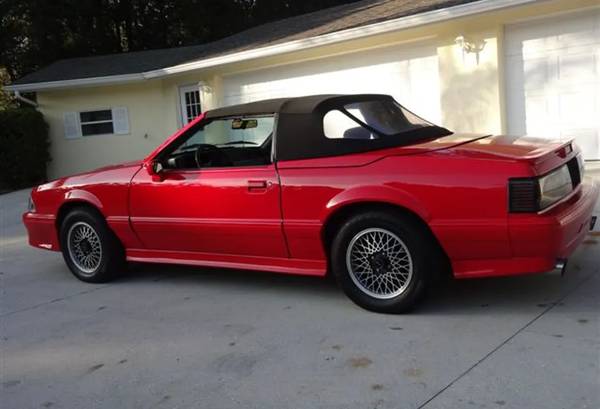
x,y
264,11
6,101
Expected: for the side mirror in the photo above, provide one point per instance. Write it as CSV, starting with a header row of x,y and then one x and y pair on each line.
x,y
155,169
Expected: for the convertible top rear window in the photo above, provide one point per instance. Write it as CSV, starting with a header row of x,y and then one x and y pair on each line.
x,y
370,120
386,117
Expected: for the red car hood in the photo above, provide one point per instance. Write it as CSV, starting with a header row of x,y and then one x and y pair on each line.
x,y
124,171
133,163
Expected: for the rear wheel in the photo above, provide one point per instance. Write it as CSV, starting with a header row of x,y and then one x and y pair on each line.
x,y
380,261
91,250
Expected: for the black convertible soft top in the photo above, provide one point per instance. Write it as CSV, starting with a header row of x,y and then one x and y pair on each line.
x,y
297,105
299,130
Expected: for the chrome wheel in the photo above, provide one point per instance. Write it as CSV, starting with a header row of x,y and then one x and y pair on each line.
x,y
379,263
85,248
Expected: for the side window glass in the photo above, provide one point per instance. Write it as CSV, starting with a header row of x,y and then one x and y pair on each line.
x,y
226,142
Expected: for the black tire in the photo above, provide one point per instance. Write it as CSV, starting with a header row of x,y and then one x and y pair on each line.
x,y
416,242
112,256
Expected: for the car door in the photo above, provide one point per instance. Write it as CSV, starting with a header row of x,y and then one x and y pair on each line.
x,y
213,203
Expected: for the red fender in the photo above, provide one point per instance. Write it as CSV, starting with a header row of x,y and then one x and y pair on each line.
x,y
78,195
381,194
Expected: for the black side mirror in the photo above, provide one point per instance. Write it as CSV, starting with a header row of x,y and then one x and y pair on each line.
x,y
157,167
154,169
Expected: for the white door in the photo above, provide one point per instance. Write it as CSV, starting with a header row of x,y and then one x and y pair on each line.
x,y
553,79
408,73
190,104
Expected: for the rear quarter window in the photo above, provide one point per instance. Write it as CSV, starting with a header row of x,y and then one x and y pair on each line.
x,y
337,125
370,120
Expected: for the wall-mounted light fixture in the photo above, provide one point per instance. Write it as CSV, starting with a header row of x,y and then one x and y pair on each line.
x,y
470,45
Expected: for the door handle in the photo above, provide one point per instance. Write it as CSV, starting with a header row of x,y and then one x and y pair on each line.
x,y
257,185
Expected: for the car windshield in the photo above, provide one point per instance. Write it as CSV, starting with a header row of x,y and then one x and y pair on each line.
x,y
371,120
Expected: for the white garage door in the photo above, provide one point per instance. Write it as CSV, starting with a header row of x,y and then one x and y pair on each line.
x,y
553,79
410,74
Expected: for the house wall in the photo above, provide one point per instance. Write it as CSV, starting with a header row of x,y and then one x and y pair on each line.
x,y
146,106
472,96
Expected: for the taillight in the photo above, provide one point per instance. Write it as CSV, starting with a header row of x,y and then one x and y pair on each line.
x,y
555,186
523,195
529,195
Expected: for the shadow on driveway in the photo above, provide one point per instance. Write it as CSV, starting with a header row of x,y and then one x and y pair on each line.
x,y
452,297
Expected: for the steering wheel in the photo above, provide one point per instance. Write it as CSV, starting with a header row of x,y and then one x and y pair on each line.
x,y
204,150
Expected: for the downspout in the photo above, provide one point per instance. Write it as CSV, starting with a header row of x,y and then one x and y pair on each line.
x,y
25,100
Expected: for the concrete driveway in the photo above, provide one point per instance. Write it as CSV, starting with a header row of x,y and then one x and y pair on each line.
x,y
172,337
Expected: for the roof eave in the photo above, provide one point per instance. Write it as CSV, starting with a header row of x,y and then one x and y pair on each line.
x,y
75,83
401,23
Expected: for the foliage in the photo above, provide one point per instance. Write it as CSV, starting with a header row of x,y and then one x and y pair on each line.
x,y
35,33
6,101
23,148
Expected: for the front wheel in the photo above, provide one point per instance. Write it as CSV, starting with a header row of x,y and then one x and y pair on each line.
x,y
380,261
91,250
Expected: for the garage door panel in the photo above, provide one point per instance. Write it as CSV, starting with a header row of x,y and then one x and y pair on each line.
x,y
553,34
539,109
409,74
578,109
586,33
587,139
553,79
578,67
538,73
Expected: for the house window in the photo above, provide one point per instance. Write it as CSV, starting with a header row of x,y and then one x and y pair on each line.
x,y
190,103
108,121
96,122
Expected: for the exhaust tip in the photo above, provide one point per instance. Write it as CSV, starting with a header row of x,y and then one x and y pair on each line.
x,y
561,266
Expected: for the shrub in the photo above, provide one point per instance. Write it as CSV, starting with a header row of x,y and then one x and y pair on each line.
x,y
23,148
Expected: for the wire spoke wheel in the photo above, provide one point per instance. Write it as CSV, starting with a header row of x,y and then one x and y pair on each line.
x,y
85,247
379,263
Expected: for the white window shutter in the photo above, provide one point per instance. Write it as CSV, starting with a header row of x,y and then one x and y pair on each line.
x,y
120,120
71,125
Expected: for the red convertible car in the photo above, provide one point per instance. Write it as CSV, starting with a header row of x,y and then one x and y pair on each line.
x,y
352,184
